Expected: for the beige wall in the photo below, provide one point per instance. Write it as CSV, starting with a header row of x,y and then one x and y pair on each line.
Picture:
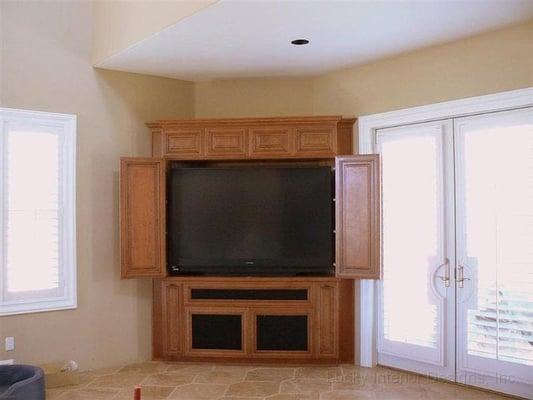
x,y
119,24
488,63
254,97
45,65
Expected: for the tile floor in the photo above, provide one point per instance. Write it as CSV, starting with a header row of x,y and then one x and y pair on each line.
x,y
245,382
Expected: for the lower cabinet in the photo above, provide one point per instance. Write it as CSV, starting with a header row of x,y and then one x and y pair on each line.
x,y
304,319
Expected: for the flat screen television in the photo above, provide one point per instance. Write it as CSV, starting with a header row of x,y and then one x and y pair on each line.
x,y
267,220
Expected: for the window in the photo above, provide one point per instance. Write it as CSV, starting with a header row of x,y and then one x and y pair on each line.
x,y
37,219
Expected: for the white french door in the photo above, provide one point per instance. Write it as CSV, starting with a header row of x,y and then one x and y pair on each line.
x,y
456,299
416,296
494,189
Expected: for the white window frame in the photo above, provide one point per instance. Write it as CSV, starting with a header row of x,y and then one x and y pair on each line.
x,y
65,124
367,127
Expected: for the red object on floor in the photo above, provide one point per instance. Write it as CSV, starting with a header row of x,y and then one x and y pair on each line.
x,y
137,393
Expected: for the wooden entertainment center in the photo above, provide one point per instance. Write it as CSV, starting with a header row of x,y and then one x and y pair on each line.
x,y
300,319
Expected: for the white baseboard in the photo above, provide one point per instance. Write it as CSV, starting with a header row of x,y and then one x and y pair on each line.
x,y
7,362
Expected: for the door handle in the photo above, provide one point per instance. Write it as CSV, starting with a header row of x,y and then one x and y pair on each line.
x,y
446,277
461,276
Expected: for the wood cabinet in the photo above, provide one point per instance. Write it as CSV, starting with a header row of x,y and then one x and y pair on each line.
x,y
357,219
142,217
252,138
244,310
319,309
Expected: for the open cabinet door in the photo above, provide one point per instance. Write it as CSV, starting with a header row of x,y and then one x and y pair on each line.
x,y
357,216
142,217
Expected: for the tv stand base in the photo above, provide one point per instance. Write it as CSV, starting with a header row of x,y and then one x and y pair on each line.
x,y
254,319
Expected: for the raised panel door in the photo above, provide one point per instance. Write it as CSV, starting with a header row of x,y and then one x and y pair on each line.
x,y
142,217
357,217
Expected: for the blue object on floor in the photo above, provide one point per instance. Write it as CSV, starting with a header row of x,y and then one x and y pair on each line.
x,y
21,382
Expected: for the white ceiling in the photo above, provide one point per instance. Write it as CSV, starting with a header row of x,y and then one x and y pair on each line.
x,y
237,38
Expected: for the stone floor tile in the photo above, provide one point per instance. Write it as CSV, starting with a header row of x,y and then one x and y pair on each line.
x,y
299,385
190,369
406,393
292,396
167,379
253,389
147,392
89,394
270,374
144,368
198,391
318,372
119,380
54,393
348,395
221,376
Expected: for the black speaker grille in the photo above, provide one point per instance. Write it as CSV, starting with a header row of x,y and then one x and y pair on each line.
x,y
282,332
215,331
249,294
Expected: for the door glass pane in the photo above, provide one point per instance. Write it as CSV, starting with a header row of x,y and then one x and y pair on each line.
x,y
412,232
496,163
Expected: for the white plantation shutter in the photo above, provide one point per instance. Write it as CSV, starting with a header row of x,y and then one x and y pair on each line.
x,y
38,219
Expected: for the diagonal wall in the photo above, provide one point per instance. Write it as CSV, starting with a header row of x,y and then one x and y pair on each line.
x,y
119,24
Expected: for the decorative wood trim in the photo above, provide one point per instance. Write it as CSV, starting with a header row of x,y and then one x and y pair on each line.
x,y
346,320
271,141
172,324
316,140
253,138
328,322
185,143
250,121
157,319
226,142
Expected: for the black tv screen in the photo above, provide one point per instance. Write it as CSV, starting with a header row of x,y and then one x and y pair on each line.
x,y
250,220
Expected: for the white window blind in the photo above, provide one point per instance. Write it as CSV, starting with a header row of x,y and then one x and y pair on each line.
x,y
37,186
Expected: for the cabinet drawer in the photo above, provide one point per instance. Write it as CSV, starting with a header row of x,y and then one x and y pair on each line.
x,y
318,141
227,143
184,143
270,142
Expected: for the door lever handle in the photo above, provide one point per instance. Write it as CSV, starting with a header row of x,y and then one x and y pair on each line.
x,y
446,277
461,276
